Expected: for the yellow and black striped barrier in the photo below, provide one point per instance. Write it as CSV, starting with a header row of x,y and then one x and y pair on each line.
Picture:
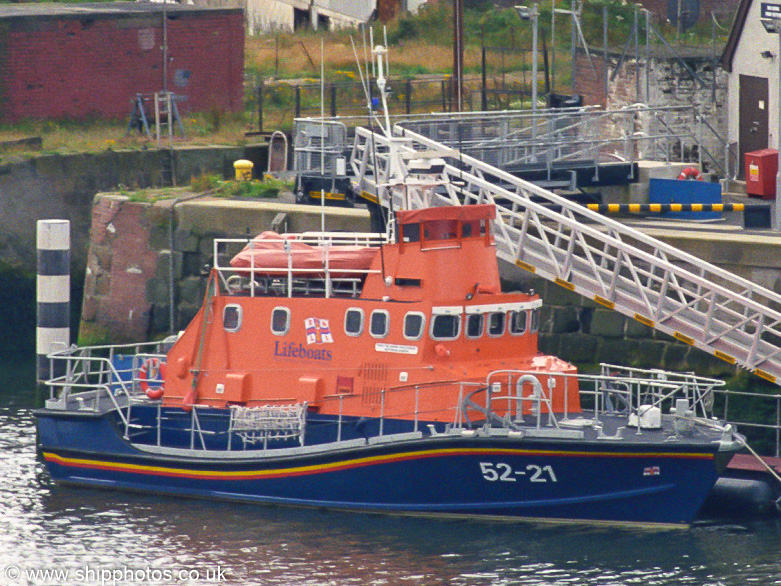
x,y
661,208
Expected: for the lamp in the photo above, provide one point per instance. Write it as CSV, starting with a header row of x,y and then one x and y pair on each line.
x,y
526,13
773,26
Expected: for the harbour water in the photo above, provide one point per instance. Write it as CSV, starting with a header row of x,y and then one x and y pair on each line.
x,y
60,535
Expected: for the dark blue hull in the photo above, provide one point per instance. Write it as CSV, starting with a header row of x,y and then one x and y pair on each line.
x,y
564,480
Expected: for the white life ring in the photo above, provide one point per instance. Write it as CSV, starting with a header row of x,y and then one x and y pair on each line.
x,y
152,369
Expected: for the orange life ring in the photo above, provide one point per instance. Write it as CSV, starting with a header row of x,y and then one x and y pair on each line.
x,y
152,369
691,173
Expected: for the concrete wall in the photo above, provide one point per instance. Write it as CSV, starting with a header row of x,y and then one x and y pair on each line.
x,y
63,186
127,288
62,63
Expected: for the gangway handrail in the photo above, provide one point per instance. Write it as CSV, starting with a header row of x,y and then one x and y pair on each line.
x,y
585,252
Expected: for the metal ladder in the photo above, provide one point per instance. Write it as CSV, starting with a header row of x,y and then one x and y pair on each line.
x,y
618,267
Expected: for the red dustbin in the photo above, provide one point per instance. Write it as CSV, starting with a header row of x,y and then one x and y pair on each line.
x,y
761,169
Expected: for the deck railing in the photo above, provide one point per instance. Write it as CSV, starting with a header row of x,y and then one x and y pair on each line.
x,y
287,279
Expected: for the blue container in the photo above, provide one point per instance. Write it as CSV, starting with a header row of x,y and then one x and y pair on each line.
x,y
685,191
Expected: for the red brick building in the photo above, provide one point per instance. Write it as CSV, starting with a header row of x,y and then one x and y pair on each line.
x,y
80,60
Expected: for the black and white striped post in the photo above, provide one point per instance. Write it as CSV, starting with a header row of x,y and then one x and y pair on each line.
x,y
53,286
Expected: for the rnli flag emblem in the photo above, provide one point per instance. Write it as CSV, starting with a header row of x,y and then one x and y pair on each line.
x,y
318,331
651,471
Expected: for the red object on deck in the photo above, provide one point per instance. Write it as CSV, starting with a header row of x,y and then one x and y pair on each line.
x,y
267,254
749,463
761,169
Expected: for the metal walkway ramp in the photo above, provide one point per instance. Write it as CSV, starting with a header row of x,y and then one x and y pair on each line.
x,y
616,266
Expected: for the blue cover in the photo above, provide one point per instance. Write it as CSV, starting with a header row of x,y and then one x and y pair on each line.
x,y
680,191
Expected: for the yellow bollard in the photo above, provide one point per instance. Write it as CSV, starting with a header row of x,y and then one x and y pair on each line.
x,y
243,169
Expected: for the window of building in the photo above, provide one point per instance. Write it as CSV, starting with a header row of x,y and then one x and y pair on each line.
x,y
379,323
280,321
414,323
353,322
231,318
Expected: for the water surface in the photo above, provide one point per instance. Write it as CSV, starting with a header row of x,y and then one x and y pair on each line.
x,y
106,537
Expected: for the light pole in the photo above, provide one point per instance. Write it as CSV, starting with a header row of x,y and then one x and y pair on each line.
x,y
773,26
532,14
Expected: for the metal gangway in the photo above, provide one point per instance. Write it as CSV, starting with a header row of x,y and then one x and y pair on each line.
x,y
618,267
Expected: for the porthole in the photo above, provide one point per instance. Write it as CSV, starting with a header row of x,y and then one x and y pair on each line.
x,y
414,325
280,321
231,318
353,322
379,323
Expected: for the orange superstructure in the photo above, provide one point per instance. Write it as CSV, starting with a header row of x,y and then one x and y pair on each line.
x,y
403,337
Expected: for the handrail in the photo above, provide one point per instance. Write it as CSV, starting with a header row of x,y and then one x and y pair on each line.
x,y
617,266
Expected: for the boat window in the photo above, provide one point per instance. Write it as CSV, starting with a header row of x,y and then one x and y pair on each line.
x,y
353,322
280,321
231,318
411,232
517,322
440,229
474,325
445,327
378,325
535,325
414,323
496,324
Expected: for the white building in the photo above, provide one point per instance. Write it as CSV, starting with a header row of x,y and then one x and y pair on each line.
x,y
264,15
751,57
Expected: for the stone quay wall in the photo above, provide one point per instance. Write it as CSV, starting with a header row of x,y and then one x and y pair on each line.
x,y
63,187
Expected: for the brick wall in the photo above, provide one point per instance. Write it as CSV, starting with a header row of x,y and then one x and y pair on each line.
x,y
71,66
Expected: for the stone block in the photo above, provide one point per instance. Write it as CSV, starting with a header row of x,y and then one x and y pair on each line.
x,y
159,238
184,315
578,347
564,320
192,264
159,319
158,291
675,357
617,351
549,344
185,240
554,294
634,329
89,308
162,269
649,354
103,284
705,364
607,323
191,291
